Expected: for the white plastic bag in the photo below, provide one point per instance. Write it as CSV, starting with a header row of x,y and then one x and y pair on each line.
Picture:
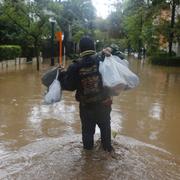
x,y
54,93
122,61
116,74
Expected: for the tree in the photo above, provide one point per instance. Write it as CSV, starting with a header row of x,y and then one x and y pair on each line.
x,y
141,23
101,31
133,23
77,19
167,25
173,4
27,22
30,19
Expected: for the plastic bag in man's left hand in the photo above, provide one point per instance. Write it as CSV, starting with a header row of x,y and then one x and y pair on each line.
x,y
116,75
54,93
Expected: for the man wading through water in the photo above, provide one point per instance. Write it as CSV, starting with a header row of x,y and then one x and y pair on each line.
x,y
94,100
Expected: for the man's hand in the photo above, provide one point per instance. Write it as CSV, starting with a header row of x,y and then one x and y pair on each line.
x,y
61,68
107,51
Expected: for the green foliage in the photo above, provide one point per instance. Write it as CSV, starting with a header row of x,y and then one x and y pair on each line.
x,y
31,23
102,24
161,53
150,37
133,28
122,43
134,19
78,36
177,29
168,27
130,25
115,25
141,24
165,60
31,19
100,35
9,52
28,19
26,23
79,15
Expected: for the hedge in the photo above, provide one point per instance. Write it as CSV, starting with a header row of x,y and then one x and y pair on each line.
x,y
165,60
8,52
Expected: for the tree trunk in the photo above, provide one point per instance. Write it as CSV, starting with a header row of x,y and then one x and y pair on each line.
x,y
37,54
171,34
140,39
52,43
129,48
139,49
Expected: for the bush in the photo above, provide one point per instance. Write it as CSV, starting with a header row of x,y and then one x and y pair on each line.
x,y
160,53
9,52
165,60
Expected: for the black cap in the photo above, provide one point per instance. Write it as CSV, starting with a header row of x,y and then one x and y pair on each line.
x,y
86,43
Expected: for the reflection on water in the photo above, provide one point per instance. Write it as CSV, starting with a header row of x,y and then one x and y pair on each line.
x,y
39,141
155,111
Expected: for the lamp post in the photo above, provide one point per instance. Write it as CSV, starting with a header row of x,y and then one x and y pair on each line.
x,y
52,21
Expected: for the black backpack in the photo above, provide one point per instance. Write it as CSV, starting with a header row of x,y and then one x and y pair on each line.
x,y
90,87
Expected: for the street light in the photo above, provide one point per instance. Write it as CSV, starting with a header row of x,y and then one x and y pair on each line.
x,y
52,21
96,44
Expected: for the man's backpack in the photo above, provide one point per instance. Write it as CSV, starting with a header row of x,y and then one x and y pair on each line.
x,y
91,88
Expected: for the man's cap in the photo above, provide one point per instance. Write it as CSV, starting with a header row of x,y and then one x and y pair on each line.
x,y
86,43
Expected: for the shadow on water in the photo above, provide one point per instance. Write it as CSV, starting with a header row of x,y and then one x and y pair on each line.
x,y
38,141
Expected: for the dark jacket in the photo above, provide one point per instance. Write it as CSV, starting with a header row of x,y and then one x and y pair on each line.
x,y
70,79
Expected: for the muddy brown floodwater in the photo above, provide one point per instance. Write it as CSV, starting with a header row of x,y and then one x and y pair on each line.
x,y
43,142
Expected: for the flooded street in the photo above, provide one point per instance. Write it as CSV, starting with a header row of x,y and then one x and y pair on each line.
x,y
39,141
